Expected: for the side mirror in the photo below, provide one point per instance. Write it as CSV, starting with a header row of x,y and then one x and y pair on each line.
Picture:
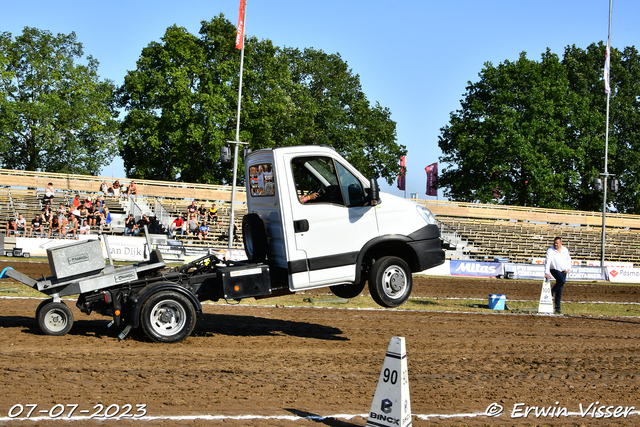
x,y
225,154
374,191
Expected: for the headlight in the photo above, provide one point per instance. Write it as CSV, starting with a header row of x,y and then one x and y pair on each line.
x,y
427,215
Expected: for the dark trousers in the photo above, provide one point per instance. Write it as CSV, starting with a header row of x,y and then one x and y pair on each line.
x,y
561,279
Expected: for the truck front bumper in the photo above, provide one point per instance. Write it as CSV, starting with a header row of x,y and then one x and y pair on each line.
x,y
427,246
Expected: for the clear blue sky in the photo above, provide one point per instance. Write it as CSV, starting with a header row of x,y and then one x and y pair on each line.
x,y
414,57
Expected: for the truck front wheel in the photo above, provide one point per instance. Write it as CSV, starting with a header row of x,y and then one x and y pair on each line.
x,y
167,317
390,281
54,318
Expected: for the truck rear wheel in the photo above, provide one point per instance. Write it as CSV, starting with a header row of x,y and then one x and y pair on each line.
x,y
390,281
254,238
348,291
167,317
54,318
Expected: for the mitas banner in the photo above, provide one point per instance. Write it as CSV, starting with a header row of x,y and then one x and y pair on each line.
x,y
432,172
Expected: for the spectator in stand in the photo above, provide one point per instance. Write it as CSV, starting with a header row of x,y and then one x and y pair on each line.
x,y
61,213
85,228
213,214
98,219
21,225
55,227
84,213
142,222
176,226
124,191
202,213
104,187
12,228
75,212
115,188
225,235
46,213
36,225
192,209
106,217
203,232
99,203
192,224
130,226
91,215
133,190
75,202
48,193
71,229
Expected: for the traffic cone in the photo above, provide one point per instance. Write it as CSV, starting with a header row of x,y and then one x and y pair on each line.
x,y
546,299
391,404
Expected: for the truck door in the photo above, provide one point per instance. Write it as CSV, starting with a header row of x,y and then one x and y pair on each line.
x,y
331,221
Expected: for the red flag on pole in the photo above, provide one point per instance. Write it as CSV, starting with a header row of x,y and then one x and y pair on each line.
x,y
432,172
240,32
402,176
607,67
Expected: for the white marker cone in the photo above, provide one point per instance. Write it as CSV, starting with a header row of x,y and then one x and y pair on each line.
x,y
391,404
546,299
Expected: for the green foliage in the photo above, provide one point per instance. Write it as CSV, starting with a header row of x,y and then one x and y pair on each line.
x,y
533,133
55,113
181,105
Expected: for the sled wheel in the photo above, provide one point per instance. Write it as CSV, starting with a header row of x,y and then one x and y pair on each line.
x,y
54,318
168,317
348,291
42,304
390,281
254,238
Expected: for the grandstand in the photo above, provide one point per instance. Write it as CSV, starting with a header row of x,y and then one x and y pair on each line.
x,y
23,191
482,232
487,232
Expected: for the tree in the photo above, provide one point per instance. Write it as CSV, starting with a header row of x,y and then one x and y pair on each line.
x,y
56,115
181,104
532,133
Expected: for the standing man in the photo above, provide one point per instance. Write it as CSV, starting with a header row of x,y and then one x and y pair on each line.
x,y
557,264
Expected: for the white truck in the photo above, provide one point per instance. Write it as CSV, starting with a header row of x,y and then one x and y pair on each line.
x,y
326,225
313,221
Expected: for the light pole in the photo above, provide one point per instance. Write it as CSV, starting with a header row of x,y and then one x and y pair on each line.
x,y
233,188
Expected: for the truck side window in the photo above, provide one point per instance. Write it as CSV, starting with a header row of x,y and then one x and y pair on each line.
x,y
351,187
261,180
316,180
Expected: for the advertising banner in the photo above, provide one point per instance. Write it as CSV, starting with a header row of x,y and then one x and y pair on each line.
x,y
122,248
476,268
534,271
624,275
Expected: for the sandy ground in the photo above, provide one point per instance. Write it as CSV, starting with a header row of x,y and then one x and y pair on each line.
x,y
322,365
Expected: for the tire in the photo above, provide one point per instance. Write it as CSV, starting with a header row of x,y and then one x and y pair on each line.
x,y
348,291
254,238
54,318
42,304
167,317
390,281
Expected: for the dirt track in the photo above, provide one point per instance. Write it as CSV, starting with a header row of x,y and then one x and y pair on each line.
x,y
318,362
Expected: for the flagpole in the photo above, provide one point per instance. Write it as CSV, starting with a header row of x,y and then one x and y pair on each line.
x,y
237,141
606,139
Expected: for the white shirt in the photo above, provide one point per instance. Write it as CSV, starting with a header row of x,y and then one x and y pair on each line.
x,y
557,260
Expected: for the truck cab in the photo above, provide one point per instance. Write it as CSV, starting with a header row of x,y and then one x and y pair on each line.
x,y
319,223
